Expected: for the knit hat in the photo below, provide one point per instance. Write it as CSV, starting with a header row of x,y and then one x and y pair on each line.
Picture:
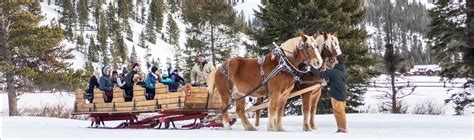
x,y
171,70
134,65
154,69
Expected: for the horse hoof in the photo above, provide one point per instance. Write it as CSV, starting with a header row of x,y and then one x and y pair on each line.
x,y
251,129
280,129
271,129
307,129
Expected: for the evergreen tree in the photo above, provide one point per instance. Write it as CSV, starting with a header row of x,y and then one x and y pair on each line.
x,y
23,40
148,56
111,19
150,30
83,13
178,58
173,31
216,30
142,15
88,66
68,18
97,8
133,55
102,32
142,40
191,43
157,8
173,5
282,20
81,44
92,53
448,38
451,40
128,30
168,62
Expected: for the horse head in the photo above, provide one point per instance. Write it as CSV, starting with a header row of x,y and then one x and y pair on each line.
x,y
301,50
327,45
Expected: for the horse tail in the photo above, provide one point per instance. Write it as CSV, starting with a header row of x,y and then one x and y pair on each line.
x,y
211,81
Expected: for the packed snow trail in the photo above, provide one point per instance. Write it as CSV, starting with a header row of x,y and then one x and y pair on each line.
x,y
361,126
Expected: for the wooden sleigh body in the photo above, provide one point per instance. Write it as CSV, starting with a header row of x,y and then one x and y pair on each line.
x,y
186,104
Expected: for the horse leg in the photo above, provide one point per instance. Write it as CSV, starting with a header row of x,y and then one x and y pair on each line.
x,y
240,109
306,108
281,110
272,111
283,98
315,96
257,112
225,114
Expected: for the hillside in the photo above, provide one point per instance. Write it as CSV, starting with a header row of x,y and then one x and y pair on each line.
x,y
161,51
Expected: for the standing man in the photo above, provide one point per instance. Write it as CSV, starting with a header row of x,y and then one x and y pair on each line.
x,y
337,90
201,71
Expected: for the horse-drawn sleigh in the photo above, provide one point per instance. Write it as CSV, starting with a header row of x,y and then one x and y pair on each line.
x,y
281,75
166,108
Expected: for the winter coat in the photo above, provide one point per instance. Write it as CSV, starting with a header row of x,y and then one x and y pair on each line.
x,y
105,83
93,83
150,81
129,79
176,78
200,72
337,81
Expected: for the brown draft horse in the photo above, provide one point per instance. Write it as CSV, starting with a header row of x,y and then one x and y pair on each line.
x,y
328,46
244,74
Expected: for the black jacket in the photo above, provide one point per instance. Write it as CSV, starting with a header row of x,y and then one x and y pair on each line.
x,y
337,81
93,82
177,78
129,79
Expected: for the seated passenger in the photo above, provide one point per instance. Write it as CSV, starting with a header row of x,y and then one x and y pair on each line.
x,y
176,79
150,83
93,83
128,87
105,84
117,80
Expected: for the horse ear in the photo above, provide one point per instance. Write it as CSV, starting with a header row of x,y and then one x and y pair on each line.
x,y
303,36
325,35
335,34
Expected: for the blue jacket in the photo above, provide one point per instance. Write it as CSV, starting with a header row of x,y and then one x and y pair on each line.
x,y
150,81
105,83
166,80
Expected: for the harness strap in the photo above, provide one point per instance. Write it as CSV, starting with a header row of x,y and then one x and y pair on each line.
x,y
283,65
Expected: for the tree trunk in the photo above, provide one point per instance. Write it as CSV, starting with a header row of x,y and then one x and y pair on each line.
x,y
394,94
212,45
469,49
12,105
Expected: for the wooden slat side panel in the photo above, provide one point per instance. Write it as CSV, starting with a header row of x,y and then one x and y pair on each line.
x,y
198,89
138,91
169,95
171,100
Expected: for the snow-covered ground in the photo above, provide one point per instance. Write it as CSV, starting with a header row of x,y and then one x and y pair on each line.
x,y
421,95
361,126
